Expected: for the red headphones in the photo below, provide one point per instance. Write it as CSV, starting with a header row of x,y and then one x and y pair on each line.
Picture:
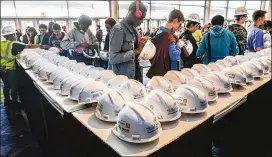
x,y
138,12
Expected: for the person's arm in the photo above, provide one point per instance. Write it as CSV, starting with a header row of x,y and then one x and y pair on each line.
x,y
68,41
202,47
116,42
234,45
258,41
19,47
50,41
93,38
174,54
36,39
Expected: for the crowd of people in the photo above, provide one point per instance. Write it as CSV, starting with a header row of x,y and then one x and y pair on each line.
x,y
180,43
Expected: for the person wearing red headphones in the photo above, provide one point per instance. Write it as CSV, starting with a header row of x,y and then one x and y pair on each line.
x,y
123,45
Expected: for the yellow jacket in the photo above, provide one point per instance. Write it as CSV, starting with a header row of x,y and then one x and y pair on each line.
x,y
198,36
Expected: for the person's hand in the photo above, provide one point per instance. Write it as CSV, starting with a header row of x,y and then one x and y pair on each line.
x,y
180,43
141,45
84,44
136,52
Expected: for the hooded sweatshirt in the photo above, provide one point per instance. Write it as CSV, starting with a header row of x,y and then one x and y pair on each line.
x,y
74,37
222,43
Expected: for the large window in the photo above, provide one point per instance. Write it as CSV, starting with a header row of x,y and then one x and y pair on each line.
x,y
161,11
41,8
253,4
236,4
9,23
7,9
26,24
90,8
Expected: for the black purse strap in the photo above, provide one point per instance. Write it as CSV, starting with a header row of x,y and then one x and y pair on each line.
x,y
209,48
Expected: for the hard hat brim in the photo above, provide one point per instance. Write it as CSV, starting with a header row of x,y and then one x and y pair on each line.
x,y
115,132
8,33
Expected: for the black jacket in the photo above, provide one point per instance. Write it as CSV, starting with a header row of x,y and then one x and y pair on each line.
x,y
99,35
190,61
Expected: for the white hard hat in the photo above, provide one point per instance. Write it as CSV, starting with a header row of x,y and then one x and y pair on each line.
x,y
49,55
109,105
241,59
84,71
260,63
54,49
77,67
232,60
193,17
78,86
91,92
58,71
221,82
264,52
246,71
163,105
256,69
31,60
189,73
202,69
23,54
241,11
190,99
148,51
93,72
68,64
235,76
60,61
104,76
28,57
215,66
104,55
57,81
66,84
223,63
205,86
175,78
7,30
267,61
52,58
133,91
252,55
159,82
117,81
45,71
37,65
188,46
136,123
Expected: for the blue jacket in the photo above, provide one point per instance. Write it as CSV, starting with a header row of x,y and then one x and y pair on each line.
x,y
174,51
222,43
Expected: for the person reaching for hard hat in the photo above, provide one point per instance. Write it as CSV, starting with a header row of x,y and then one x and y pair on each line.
x,y
168,47
81,42
239,30
9,50
193,21
124,43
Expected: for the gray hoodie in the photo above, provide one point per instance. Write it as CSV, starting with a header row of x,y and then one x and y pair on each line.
x,y
74,37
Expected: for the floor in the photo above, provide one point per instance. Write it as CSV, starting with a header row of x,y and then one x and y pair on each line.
x,y
16,139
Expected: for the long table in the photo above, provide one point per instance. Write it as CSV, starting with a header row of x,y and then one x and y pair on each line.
x,y
188,136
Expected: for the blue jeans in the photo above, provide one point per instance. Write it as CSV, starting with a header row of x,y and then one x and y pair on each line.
x,y
9,78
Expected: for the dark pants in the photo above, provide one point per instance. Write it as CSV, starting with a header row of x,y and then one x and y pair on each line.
x,y
10,86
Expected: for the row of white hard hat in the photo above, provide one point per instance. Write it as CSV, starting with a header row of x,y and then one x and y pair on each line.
x,y
134,119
